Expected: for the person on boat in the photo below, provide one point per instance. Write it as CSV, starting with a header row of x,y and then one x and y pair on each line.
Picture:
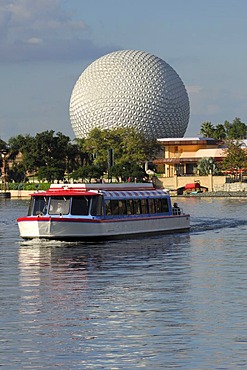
x,y
59,209
176,209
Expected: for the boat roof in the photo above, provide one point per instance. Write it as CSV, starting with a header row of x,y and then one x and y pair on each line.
x,y
133,194
104,186
111,190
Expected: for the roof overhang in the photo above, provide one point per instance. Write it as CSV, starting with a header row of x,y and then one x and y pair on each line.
x,y
205,153
188,141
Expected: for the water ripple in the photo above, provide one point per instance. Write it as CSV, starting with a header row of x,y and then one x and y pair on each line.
x,y
171,301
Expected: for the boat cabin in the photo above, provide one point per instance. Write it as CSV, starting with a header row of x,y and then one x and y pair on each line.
x,y
94,200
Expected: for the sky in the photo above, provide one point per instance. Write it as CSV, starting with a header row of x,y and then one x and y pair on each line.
x,y
46,44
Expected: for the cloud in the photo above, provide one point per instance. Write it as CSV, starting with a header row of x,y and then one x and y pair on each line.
x,y
34,40
33,30
194,89
40,15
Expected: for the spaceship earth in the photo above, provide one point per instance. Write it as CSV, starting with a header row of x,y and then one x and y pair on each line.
x,y
130,88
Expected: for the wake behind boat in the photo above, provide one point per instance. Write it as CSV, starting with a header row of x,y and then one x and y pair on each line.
x,y
92,212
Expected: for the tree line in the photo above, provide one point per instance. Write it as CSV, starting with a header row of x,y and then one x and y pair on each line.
x,y
231,134
119,153
50,156
235,130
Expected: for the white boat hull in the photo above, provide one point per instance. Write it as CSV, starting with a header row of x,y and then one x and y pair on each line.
x,y
99,229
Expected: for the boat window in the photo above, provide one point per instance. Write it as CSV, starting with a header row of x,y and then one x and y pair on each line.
x,y
59,205
38,206
80,205
161,205
164,205
129,206
122,207
151,204
107,208
96,209
158,205
137,206
144,206
114,207
30,208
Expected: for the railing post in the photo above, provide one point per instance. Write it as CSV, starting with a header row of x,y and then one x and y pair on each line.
x,y
175,180
210,181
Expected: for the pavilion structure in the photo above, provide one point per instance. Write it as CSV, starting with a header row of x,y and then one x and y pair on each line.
x,y
181,155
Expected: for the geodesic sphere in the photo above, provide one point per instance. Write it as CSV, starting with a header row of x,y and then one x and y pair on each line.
x,y
130,88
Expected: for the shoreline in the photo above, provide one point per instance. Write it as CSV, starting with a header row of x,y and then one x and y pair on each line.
x,y
25,194
216,194
16,194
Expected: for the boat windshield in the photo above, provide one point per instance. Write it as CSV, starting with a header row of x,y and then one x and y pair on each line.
x,y
59,205
84,205
38,206
80,206
64,205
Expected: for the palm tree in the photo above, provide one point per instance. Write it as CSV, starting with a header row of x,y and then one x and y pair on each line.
x,y
207,129
206,166
220,132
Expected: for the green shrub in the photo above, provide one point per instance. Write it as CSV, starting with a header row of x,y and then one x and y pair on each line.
x,y
28,186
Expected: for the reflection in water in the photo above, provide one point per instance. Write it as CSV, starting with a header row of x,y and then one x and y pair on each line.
x,y
101,296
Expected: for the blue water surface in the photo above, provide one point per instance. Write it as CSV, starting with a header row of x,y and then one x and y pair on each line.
x,y
166,302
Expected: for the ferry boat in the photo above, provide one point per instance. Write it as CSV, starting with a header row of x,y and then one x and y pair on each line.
x,y
91,212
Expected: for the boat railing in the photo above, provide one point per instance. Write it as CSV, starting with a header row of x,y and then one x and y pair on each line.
x,y
177,211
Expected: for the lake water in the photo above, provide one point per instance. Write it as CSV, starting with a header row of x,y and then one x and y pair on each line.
x,y
169,302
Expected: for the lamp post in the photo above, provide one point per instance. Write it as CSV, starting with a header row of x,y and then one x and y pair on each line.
x,y
66,168
110,161
3,154
4,192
